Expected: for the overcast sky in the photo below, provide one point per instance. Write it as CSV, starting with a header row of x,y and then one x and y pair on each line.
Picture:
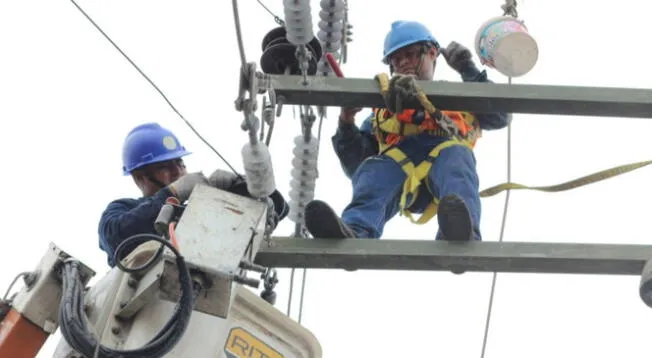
x,y
68,98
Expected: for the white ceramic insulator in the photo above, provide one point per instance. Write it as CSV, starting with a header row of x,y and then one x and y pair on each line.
x,y
304,176
298,21
332,5
258,169
330,25
329,45
324,69
331,16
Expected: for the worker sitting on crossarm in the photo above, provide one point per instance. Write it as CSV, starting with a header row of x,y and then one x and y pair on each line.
x,y
406,161
153,156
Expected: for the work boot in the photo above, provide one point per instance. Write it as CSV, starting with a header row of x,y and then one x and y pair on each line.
x,y
455,223
323,223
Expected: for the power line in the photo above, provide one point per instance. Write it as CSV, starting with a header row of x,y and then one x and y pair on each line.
x,y
154,85
509,8
502,233
238,32
276,18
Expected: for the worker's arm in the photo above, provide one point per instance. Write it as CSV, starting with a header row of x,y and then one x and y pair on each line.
x,y
127,217
353,145
488,121
460,59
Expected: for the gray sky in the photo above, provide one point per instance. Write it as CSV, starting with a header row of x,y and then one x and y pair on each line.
x,y
60,76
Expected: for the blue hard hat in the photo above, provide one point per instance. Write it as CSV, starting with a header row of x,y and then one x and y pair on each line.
x,y
405,33
149,143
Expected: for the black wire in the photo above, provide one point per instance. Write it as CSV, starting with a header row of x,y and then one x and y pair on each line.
x,y
73,322
155,87
144,267
277,19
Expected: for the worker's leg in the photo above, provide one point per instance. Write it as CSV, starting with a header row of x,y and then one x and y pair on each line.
x,y
377,186
454,180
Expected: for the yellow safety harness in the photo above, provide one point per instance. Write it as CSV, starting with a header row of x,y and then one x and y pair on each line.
x,y
415,177
389,129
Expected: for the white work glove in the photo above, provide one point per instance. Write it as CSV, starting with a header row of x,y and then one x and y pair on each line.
x,y
183,186
222,179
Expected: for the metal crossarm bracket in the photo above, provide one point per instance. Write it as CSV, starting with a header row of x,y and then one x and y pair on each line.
x,y
431,255
474,97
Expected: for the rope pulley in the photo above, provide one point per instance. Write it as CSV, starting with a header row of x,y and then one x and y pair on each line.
x,y
279,54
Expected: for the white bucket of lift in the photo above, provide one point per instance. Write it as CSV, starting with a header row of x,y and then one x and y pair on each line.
x,y
503,43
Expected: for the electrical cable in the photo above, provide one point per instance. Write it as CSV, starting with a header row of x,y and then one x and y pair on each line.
x,y
277,19
502,233
74,323
192,128
509,9
238,32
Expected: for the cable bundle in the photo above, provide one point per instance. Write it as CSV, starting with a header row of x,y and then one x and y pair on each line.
x,y
74,324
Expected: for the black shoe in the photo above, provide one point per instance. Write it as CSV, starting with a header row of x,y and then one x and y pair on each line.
x,y
455,223
323,223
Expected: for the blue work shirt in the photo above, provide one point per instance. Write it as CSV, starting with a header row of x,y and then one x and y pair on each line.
x,y
126,217
353,145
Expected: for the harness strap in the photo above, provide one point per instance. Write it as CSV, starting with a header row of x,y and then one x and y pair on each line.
x,y
415,176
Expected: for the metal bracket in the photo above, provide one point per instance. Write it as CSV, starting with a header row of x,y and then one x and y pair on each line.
x,y
39,302
248,84
217,231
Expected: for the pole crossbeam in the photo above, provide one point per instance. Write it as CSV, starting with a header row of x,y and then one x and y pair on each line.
x,y
424,255
471,96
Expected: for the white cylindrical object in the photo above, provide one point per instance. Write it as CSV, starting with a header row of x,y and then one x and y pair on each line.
x,y
331,30
324,69
298,21
304,176
258,169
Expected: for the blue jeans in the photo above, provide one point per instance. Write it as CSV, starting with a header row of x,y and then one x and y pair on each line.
x,y
378,182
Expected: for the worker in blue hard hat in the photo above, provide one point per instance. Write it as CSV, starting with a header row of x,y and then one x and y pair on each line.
x,y
405,162
153,156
